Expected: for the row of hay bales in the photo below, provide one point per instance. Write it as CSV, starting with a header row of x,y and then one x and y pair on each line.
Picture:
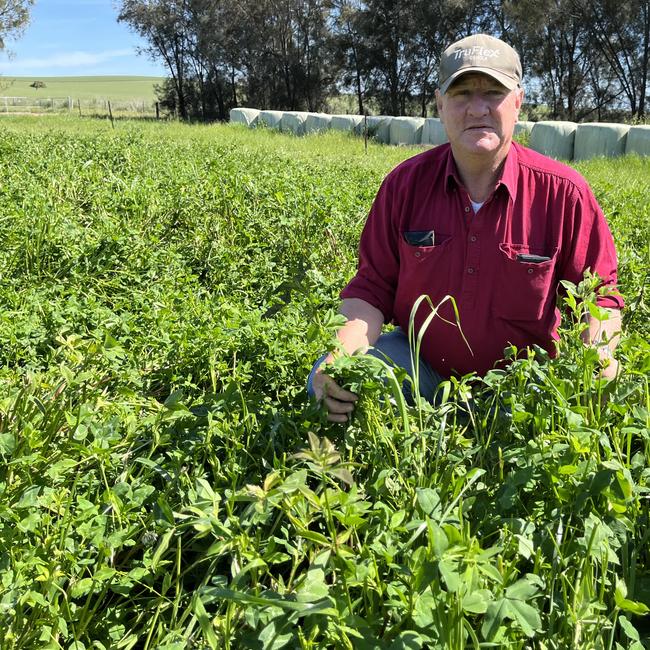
x,y
562,140
383,128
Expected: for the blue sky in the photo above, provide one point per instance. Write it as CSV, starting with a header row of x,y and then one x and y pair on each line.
x,y
76,37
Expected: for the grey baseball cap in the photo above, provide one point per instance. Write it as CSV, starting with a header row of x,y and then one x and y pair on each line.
x,y
480,53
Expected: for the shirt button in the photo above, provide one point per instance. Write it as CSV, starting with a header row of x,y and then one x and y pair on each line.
x,y
417,253
466,208
473,238
470,270
530,271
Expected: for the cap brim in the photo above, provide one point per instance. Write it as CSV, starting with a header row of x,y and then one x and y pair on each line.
x,y
503,79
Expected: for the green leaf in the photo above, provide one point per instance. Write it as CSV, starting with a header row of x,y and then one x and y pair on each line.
x,y
313,588
273,639
525,546
81,587
496,613
205,622
256,563
527,617
631,606
407,640
428,500
597,312
162,548
629,629
7,444
322,607
477,602
397,518
314,536
174,401
449,575
525,588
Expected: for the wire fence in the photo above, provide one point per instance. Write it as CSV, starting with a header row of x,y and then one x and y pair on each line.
x,y
94,106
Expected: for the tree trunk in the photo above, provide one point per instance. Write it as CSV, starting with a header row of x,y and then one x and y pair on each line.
x,y
233,86
645,58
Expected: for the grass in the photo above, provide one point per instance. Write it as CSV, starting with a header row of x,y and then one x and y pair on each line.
x,y
119,88
164,481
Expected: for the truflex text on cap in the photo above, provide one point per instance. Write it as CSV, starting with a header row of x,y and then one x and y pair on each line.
x,y
480,53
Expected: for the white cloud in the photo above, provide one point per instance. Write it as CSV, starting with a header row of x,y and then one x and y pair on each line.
x,y
65,60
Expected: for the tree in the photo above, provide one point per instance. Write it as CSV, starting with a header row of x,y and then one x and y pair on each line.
x,y
581,57
162,23
14,16
619,31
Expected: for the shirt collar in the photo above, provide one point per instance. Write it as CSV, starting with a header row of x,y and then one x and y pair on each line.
x,y
509,174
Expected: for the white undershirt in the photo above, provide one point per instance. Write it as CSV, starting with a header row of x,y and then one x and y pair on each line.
x,y
476,206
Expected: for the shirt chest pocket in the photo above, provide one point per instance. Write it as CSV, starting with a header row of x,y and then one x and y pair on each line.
x,y
526,284
422,244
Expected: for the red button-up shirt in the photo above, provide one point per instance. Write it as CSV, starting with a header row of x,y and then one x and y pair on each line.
x,y
539,208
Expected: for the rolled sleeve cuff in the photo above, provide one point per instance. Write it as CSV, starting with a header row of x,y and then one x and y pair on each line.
x,y
611,301
373,295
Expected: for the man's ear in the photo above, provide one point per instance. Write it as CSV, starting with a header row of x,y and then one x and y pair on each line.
x,y
439,101
520,98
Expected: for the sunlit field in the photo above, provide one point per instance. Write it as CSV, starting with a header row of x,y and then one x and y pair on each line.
x,y
84,88
166,483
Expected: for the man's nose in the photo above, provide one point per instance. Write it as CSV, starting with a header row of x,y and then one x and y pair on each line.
x,y
478,104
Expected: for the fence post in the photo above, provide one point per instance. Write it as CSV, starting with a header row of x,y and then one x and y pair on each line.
x,y
365,130
79,104
69,104
110,113
157,110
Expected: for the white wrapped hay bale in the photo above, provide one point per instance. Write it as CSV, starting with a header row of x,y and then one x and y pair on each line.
x,y
347,123
293,122
554,139
406,130
600,139
378,127
270,119
524,127
433,132
638,140
317,122
247,116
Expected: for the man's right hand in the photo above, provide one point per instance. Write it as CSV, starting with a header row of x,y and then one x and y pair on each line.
x,y
361,330
338,401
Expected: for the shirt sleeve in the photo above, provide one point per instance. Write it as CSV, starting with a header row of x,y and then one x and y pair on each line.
x,y
378,270
592,248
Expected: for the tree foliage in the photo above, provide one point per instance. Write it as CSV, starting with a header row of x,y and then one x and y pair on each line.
x,y
583,59
14,16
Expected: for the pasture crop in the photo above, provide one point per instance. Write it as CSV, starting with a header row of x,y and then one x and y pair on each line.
x,y
165,482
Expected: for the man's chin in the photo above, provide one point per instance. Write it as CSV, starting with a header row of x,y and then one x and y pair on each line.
x,y
484,144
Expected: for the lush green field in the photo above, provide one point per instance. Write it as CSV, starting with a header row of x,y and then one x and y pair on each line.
x,y
83,88
164,481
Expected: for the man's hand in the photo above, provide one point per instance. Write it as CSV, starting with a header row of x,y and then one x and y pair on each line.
x,y
604,336
338,401
361,330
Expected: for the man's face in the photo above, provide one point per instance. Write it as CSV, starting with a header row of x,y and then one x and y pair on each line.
x,y
479,115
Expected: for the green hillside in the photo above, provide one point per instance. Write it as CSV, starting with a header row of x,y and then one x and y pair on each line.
x,y
84,88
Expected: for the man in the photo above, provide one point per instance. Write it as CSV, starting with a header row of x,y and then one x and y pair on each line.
x,y
482,219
